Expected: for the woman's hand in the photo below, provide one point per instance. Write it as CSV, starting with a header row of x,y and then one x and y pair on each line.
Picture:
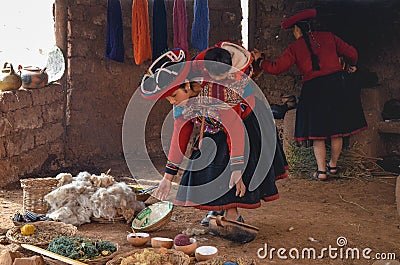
x,y
236,179
164,187
256,54
352,69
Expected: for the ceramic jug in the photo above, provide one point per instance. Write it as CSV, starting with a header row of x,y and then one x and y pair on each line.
x,y
33,77
9,80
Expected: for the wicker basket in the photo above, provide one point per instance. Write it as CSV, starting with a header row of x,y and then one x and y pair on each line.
x,y
98,261
173,256
45,231
34,190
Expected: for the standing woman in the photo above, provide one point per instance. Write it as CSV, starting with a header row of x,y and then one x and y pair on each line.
x,y
323,109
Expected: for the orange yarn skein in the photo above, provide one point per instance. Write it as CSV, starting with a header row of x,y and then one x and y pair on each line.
x,y
141,31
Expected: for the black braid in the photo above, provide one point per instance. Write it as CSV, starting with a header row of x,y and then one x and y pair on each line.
x,y
314,57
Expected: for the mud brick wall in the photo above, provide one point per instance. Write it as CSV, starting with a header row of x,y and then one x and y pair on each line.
x,y
31,132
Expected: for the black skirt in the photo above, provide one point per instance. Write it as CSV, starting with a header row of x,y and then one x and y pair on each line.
x,y
329,107
204,184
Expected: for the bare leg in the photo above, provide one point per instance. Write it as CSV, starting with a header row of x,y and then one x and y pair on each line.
x,y
232,214
336,149
320,156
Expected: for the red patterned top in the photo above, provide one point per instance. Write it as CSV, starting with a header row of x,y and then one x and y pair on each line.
x,y
228,119
327,46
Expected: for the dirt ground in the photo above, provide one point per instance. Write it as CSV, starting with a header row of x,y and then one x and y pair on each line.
x,y
309,214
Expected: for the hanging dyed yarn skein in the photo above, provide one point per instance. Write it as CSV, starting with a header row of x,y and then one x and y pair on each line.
x,y
160,31
114,36
180,25
141,31
201,25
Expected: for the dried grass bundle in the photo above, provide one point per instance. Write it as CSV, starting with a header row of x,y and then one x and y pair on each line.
x,y
352,162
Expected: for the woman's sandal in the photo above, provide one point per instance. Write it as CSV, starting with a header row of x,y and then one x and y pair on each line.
x,y
331,170
209,215
317,173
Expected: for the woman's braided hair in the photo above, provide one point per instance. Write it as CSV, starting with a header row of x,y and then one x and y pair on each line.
x,y
305,27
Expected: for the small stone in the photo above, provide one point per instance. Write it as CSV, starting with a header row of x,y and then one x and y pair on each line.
x,y
8,257
35,260
291,228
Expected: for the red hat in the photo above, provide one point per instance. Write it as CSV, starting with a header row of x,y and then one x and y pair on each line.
x,y
165,75
303,15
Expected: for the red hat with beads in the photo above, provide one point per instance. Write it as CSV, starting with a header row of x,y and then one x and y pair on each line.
x,y
303,15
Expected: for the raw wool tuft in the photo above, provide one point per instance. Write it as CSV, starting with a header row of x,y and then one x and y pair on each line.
x,y
108,201
90,195
103,180
64,178
83,176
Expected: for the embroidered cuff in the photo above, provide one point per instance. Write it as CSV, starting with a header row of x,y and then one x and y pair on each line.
x,y
237,162
171,168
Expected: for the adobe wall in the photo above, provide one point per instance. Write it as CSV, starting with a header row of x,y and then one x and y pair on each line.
x,y
31,132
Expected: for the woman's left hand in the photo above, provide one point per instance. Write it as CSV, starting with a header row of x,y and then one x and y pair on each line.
x,y
236,179
352,69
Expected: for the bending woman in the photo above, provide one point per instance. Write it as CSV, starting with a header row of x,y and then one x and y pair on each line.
x,y
220,171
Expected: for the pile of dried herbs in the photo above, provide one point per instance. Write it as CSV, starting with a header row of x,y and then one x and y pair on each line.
x,y
81,248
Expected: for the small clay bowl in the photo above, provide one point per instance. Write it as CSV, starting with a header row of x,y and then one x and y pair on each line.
x,y
162,242
138,239
204,253
188,249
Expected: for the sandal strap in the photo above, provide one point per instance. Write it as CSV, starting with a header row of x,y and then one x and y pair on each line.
x,y
330,168
320,172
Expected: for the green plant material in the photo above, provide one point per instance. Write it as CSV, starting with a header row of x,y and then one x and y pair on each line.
x,y
105,246
80,248
352,162
64,246
301,159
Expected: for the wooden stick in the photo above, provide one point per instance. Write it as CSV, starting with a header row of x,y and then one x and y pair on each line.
x,y
52,254
203,120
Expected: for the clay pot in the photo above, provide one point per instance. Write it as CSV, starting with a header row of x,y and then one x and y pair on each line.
x,y
9,80
33,77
